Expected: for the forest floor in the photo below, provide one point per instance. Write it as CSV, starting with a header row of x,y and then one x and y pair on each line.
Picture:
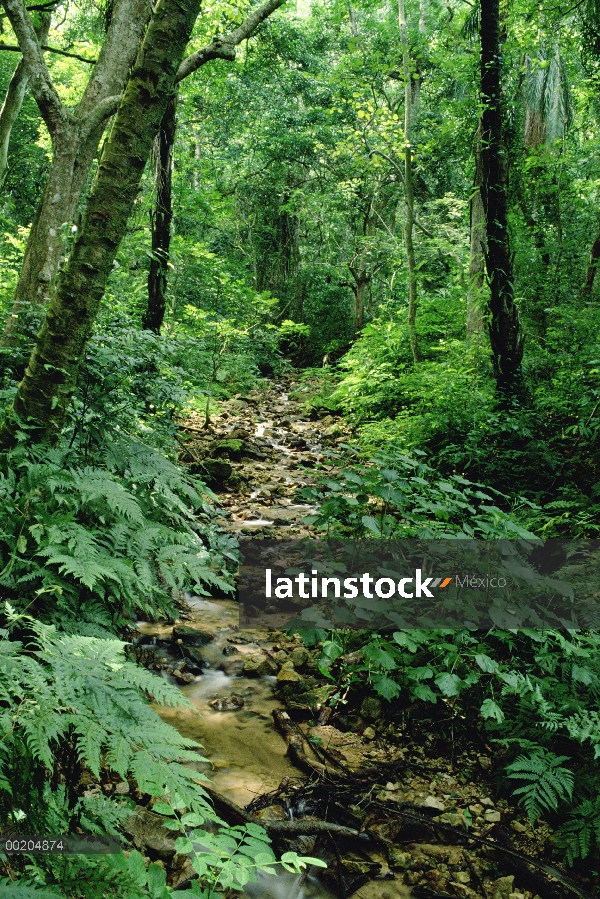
x,y
418,781
260,451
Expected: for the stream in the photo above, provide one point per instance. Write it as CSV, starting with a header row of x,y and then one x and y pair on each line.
x,y
247,755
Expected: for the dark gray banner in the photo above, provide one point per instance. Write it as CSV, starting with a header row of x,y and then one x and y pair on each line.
x,y
412,583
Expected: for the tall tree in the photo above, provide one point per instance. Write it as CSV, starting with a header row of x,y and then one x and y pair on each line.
x,y
75,138
506,336
160,219
476,286
409,187
223,47
51,374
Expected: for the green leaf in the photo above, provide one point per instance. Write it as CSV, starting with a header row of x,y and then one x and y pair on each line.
x,y
490,709
449,684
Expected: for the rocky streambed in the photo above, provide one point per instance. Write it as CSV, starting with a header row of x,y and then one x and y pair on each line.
x,y
395,807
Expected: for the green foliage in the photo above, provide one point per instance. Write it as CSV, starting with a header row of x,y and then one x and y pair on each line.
x,y
529,690
397,496
547,782
97,543
23,889
74,701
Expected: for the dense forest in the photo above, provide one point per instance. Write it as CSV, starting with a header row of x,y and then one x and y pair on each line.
x,y
318,268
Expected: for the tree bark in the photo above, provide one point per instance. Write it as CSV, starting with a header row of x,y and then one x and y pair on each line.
x,y
160,219
46,389
477,286
13,100
75,139
592,268
506,336
409,194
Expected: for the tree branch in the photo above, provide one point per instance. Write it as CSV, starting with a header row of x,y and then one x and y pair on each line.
x,y
14,48
42,88
224,47
101,111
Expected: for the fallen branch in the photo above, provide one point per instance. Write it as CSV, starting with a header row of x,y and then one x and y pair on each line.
x,y
295,744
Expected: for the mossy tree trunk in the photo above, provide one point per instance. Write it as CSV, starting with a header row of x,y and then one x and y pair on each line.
x,y
75,134
47,387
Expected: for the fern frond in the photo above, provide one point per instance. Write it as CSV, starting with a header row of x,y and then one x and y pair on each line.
x,y
547,782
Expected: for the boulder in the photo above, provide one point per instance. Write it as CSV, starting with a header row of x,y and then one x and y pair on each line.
x,y
233,667
371,708
299,656
212,471
149,835
191,636
258,665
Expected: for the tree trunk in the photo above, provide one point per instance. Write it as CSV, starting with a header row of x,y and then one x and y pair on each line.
x,y
160,219
15,94
409,195
506,336
360,291
477,286
49,382
75,140
593,264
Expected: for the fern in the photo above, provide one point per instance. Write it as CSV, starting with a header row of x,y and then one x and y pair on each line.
x,y
25,889
582,832
77,701
547,782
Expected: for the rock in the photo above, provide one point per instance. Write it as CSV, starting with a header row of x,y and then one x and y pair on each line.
x,y
484,762
456,819
369,733
487,802
299,656
476,809
122,789
398,860
503,887
392,787
258,665
491,816
461,877
227,703
434,803
191,635
229,650
212,471
349,748
148,833
271,813
371,708
183,677
518,827
233,667
230,449
289,676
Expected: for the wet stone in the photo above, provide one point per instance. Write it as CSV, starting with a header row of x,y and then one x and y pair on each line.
x,y
191,635
227,703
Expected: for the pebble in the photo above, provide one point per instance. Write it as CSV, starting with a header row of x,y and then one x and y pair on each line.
x,y
492,817
433,802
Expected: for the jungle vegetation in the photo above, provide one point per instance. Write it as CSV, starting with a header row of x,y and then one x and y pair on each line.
x,y
400,202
